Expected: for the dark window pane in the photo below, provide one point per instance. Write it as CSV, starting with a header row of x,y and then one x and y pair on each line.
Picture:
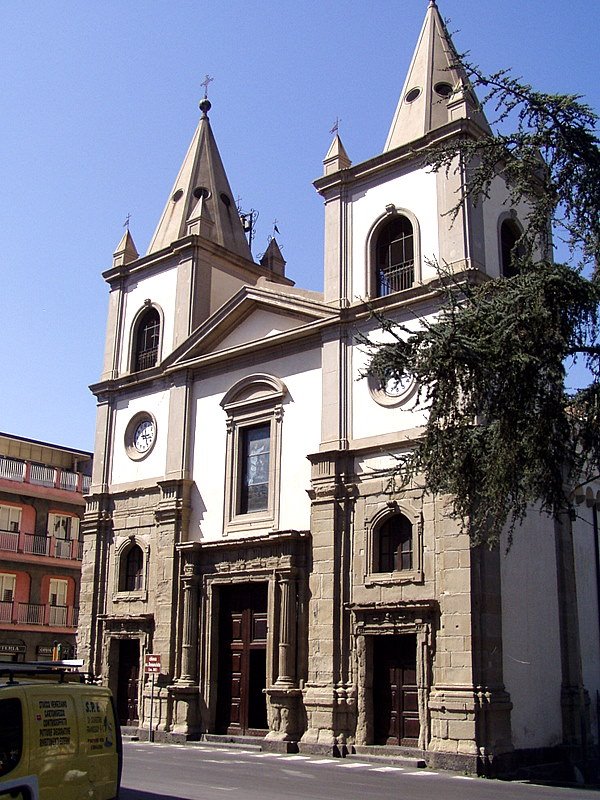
x,y
11,734
148,335
395,261
395,544
134,564
255,454
509,236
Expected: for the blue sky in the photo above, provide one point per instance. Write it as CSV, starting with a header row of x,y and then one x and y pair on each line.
x,y
99,102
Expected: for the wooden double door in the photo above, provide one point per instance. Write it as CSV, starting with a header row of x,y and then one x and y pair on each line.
x,y
128,681
242,668
395,691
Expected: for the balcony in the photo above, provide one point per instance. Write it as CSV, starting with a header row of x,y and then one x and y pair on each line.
x,y
41,614
38,545
15,469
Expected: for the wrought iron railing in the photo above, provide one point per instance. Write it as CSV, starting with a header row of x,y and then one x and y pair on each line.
x,y
9,540
40,614
16,469
31,613
41,545
11,468
6,610
395,278
36,544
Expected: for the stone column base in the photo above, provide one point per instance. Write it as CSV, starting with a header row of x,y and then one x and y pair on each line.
x,y
186,710
331,718
284,710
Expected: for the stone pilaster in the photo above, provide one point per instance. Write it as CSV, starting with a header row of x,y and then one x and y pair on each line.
x,y
329,693
184,692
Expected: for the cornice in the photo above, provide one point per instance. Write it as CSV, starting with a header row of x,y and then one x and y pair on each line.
x,y
399,157
183,246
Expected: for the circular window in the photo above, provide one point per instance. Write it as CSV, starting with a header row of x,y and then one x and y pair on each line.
x,y
443,89
393,392
177,195
201,191
140,435
412,95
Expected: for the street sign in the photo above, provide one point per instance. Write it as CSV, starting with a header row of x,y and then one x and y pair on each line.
x,y
152,664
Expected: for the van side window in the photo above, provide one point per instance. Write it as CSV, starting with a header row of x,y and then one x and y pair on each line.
x,y
11,734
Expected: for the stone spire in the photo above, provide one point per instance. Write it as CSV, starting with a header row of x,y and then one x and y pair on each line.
x,y
126,251
336,157
436,90
201,201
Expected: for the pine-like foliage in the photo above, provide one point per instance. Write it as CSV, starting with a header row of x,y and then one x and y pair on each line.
x,y
502,430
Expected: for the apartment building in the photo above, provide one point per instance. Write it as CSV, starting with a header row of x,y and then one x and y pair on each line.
x,y
42,490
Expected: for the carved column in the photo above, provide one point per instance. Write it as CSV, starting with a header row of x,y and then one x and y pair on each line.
x,y
287,632
184,691
189,640
284,696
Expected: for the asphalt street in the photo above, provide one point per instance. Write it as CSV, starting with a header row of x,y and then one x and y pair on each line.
x,y
208,772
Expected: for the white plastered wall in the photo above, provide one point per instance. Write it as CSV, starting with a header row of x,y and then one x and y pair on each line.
x,y
413,191
160,289
259,325
370,418
300,435
530,634
124,470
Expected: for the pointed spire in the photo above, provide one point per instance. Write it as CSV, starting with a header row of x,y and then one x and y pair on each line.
x,y
272,258
126,251
437,89
337,157
201,201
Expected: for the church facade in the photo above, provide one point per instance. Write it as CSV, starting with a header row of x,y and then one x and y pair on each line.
x,y
241,522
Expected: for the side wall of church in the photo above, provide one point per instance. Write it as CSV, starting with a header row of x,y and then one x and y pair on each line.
x,y
532,661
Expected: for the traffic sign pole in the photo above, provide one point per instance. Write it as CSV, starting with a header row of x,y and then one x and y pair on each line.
x,y
151,667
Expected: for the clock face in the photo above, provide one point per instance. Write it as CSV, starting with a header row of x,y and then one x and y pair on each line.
x,y
394,387
143,436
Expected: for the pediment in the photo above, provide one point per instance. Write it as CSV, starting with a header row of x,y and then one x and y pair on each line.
x,y
253,316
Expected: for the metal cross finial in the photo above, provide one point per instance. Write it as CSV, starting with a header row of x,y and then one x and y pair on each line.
x,y
126,223
207,80
336,125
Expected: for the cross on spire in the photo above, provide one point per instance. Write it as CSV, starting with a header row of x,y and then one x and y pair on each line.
x,y
126,223
336,125
207,80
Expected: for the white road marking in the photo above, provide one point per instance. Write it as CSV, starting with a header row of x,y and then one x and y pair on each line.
x,y
388,769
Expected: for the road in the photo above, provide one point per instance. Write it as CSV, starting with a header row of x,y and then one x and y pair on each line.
x,y
207,772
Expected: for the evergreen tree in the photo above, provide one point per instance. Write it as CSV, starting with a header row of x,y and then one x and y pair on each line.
x,y
503,430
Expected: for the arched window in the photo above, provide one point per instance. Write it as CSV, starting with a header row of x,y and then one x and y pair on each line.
x,y
510,233
146,340
395,544
395,256
132,570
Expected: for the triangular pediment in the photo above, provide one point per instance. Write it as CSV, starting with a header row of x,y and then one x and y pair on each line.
x,y
255,316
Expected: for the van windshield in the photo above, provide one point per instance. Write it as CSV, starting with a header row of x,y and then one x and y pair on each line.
x,y
11,734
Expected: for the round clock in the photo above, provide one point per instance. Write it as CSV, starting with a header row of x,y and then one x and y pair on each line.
x,y
143,436
393,392
140,435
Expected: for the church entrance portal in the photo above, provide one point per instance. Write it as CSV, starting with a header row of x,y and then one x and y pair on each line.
x,y
242,669
128,681
395,694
